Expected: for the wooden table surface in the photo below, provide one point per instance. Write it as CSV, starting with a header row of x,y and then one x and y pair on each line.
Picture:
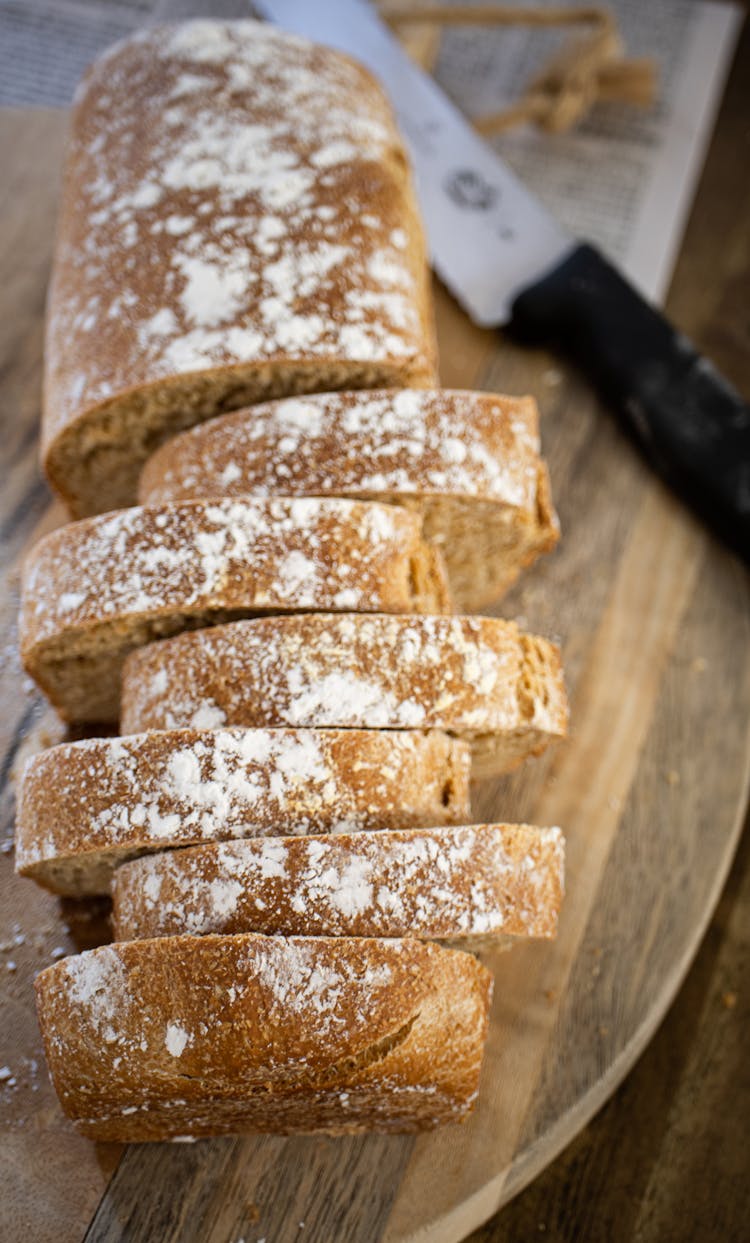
x,y
668,1159
672,1153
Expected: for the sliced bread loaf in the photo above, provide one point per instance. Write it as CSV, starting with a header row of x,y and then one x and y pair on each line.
x,y
470,885
468,462
237,222
94,590
192,1036
84,807
476,677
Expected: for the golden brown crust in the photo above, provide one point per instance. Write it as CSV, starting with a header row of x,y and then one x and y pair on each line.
x,y
210,1035
237,222
84,807
476,677
94,590
466,883
468,462
414,442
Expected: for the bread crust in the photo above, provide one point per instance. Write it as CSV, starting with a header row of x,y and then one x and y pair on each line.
x,y
468,462
476,677
95,589
191,1036
85,807
464,884
237,222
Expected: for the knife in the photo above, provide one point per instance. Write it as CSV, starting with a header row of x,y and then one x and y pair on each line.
x,y
507,261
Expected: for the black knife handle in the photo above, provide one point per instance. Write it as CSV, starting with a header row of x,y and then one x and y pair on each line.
x,y
693,427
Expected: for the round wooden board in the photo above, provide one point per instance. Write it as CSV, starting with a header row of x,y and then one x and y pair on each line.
x,y
654,623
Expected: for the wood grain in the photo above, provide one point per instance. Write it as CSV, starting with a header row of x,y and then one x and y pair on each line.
x,y
36,1142
287,1190
654,623
670,1148
671,1145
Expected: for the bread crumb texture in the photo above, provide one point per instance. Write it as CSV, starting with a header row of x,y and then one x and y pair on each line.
x,y
468,674
234,197
85,806
409,441
209,1035
299,553
469,881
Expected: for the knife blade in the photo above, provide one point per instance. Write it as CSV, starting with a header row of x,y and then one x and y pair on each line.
x,y
472,204
507,261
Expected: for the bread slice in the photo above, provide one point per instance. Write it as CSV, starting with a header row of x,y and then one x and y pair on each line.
x,y
468,462
96,589
194,1036
85,807
475,677
468,885
237,222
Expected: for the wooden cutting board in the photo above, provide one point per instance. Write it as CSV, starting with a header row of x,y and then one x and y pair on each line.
x,y
653,618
